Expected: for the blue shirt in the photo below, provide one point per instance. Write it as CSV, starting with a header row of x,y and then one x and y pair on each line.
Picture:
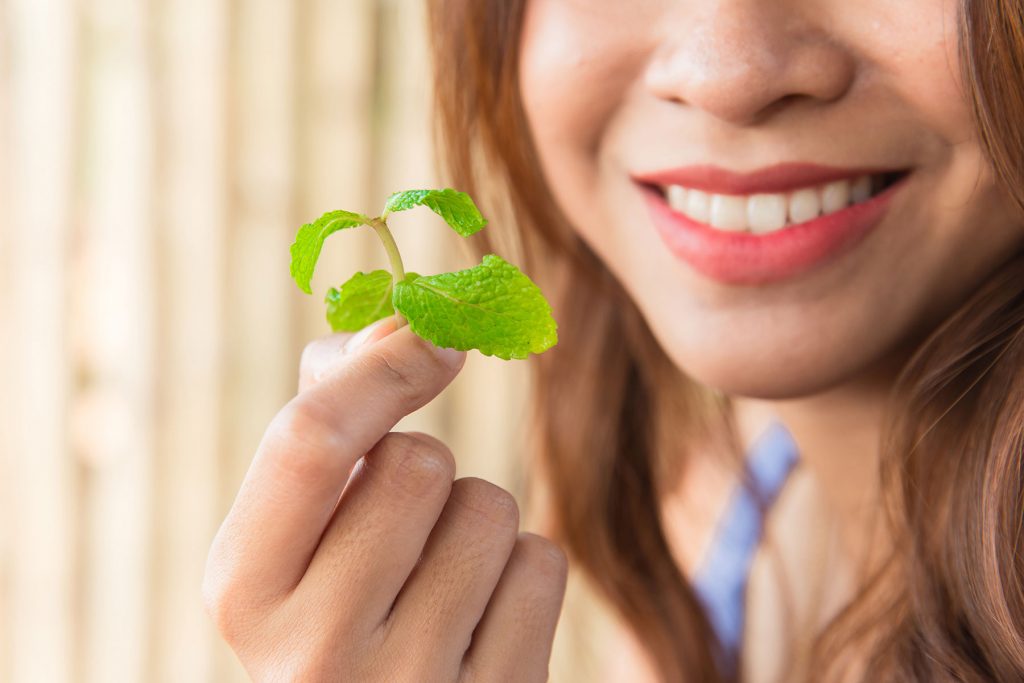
x,y
721,581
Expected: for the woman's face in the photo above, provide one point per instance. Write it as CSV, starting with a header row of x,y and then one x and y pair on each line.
x,y
790,190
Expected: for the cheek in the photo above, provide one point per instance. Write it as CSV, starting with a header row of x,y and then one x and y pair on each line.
x,y
966,221
576,68
916,51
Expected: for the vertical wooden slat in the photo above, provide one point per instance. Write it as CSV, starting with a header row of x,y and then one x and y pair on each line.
x,y
335,147
403,159
259,372
112,305
191,210
259,230
42,495
7,399
402,124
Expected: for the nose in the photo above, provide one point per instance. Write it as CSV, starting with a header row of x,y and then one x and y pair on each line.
x,y
742,60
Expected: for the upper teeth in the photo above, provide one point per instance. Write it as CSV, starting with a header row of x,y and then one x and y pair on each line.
x,y
761,213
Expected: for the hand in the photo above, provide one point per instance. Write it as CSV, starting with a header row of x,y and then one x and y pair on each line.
x,y
350,554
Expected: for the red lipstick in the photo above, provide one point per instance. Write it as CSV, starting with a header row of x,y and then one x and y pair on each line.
x,y
743,258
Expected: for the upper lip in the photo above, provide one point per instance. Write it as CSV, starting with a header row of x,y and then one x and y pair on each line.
x,y
779,178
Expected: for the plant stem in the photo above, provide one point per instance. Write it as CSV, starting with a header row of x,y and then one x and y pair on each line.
x,y
380,226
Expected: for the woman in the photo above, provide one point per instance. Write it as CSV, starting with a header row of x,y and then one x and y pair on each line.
x,y
784,241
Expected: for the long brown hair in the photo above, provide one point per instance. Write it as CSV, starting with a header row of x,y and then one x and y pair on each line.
x,y
949,603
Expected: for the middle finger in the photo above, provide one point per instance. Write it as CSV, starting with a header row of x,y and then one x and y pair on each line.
x,y
445,598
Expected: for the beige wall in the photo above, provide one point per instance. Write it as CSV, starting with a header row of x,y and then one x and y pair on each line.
x,y
156,158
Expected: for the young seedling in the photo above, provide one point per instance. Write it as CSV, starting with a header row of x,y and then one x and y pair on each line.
x,y
493,307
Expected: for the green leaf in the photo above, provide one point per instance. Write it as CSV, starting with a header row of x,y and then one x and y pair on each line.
x,y
492,307
364,299
456,208
310,240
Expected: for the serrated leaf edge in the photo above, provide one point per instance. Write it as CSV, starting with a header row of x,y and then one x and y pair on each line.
x,y
389,207
414,323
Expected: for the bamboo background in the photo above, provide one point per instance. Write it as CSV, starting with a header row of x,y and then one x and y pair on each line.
x,y
156,158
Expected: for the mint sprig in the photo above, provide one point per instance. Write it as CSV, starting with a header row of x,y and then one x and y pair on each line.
x,y
493,307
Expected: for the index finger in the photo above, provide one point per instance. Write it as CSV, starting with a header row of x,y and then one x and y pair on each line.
x,y
307,454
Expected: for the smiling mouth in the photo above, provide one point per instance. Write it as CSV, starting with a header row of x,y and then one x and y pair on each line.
x,y
768,212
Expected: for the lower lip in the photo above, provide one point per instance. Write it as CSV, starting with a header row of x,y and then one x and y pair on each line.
x,y
741,258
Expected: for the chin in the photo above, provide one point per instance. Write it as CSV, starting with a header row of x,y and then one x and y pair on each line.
x,y
764,373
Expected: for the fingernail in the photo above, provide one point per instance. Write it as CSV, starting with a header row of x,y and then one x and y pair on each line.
x,y
367,335
452,357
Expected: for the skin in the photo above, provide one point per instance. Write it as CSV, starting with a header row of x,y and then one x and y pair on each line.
x,y
353,554
612,88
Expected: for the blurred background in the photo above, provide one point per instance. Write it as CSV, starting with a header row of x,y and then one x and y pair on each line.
x,y
156,159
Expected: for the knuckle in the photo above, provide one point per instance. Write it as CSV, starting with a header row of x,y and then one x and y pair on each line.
x,y
300,666
309,352
330,651
411,375
213,598
309,436
317,354
543,557
226,607
483,499
420,466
